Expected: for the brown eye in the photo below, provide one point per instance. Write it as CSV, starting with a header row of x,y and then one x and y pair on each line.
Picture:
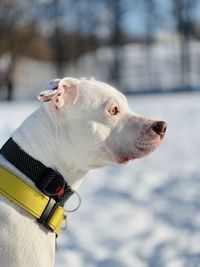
x,y
113,110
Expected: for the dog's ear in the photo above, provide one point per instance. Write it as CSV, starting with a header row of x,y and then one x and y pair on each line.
x,y
62,92
50,91
68,91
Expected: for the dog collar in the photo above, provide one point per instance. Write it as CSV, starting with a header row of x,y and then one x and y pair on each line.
x,y
55,190
49,181
45,209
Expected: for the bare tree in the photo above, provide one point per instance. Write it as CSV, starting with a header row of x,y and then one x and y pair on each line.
x,y
12,14
184,21
69,37
57,38
151,22
115,39
114,23
113,14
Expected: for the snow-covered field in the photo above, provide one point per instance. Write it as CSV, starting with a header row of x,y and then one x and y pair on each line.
x,y
146,213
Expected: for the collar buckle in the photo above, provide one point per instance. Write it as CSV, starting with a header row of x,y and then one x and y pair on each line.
x,y
48,213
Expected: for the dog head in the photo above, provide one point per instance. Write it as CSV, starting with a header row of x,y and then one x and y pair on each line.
x,y
95,125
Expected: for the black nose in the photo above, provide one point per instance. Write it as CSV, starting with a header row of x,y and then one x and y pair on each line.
x,y
159,127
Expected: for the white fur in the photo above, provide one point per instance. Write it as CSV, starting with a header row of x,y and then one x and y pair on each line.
x,y
72,132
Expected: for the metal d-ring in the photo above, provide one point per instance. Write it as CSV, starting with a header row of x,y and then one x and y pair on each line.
x,y
79,202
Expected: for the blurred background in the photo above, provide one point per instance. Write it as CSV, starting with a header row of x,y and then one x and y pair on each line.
x,y
138,45
147,213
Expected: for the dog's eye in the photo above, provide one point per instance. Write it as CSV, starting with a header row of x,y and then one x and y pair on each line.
x,y
113,110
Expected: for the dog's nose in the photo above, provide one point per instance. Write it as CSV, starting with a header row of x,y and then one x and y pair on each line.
x,y
159,127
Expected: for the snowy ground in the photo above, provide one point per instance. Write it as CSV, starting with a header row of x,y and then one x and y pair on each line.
x,y
144,214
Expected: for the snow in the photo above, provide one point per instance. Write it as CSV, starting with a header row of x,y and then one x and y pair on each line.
x,y
146,213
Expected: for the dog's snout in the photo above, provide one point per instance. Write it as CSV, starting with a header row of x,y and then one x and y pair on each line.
x,y
159,127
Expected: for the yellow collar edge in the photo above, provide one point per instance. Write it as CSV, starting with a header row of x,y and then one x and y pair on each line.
x,y
30,199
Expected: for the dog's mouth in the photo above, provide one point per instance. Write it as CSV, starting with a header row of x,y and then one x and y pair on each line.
x,y
125,159
142,149
147,142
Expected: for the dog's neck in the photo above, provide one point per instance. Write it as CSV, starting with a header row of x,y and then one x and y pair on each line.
x,y
39,136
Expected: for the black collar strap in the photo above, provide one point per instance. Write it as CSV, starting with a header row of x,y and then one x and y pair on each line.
x,y
46,179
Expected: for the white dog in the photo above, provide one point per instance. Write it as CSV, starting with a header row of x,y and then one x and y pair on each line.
x,y
82,125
